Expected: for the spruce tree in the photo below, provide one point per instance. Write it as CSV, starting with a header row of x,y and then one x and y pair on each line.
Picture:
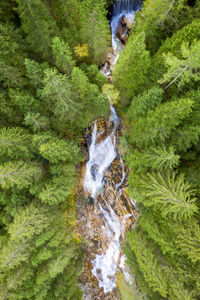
x,y
38,25
14,143
132,67
63,56
94,29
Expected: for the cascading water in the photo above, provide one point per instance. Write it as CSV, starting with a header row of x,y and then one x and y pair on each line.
x,y
115,216
120,31
121,8
101,156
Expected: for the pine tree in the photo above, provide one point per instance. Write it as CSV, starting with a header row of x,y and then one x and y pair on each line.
x,y
154,272
56,92
63,56
19,174
94,29
159,123
56,150
11,57
35,72
60,187
187,34
182,71
24,101
161,158
132,67
68,17
38,250
145,101
185,136
14,143
36,122
170,194
157,19
38,25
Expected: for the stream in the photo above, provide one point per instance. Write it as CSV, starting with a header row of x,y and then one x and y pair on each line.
x,y
105,182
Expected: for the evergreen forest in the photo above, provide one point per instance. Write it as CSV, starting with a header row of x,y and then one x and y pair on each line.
x,y
50,91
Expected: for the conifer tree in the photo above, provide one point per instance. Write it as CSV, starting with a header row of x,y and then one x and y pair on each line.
x,y
38,25
161,158
11,57
154,272
132,67
145,101
94,29
14,143
170,194
157,18
182,71
56,92
159,123
38,250
35,72
63,56
19,174
36,122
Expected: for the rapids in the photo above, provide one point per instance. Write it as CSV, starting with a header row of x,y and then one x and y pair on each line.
x,y
101,156
126,8
114,217
121,8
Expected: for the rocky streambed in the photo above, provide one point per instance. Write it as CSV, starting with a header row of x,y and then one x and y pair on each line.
x,y
105,211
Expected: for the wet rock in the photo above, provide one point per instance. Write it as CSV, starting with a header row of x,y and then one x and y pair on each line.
x,y
94,228
94,170
123,29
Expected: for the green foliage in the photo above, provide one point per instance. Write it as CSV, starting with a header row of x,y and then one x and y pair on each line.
x,y
162,158
11,57
56,92
127,291
36,122
182,71
45,105
57,150
38,26
47,100
35,71
158,18
132,67
94,75
94,29
161,146
148,263
159,123
30,247
19,174
170,194
63,56
14,143
143,102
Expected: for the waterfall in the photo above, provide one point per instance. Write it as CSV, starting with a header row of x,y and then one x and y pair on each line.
x,y
101,156
109,209
121,8
125,6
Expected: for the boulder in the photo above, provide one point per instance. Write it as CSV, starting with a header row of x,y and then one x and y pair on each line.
x,y
123,29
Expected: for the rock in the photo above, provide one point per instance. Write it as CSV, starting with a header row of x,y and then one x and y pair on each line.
x,y
91,220
123,29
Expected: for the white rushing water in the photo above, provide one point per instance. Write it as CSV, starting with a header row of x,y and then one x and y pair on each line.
x,y
101,155
121,8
